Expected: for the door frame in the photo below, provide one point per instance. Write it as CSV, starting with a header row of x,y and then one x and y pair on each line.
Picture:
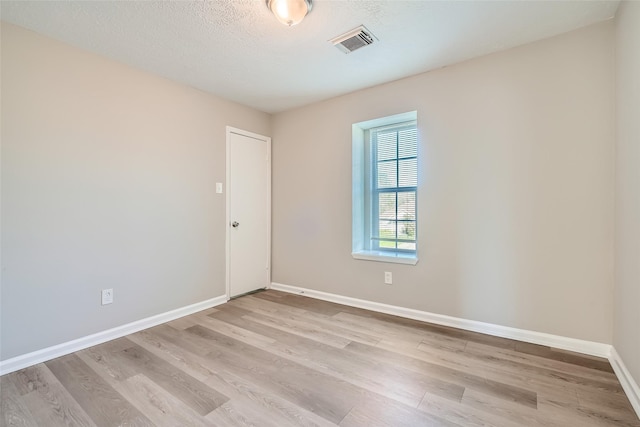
x,y
267,140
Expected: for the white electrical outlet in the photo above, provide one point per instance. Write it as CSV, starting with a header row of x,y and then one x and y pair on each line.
x,y
388,278
107,296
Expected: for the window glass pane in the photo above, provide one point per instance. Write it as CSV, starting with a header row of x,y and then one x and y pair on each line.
x,y
386,229
408,143
387,244
408,173
387,174
387,206
407,205
387,144
406,230
407,246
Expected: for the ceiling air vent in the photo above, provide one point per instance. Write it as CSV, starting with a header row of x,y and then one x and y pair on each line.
x,y
354,39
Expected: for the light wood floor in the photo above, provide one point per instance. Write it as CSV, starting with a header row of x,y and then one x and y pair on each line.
x,y
275,359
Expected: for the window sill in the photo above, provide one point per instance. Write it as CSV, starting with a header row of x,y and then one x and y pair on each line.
x,y
392,257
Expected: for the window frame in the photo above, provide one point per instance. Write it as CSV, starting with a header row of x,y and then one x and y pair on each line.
x,y
363,220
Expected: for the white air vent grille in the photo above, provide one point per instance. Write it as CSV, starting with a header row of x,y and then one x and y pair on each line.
x,y
354,39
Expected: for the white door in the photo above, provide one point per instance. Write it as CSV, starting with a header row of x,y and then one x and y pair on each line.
x,y
248,211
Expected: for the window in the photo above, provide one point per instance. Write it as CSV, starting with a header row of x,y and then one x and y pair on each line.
x,y
385,180
395,172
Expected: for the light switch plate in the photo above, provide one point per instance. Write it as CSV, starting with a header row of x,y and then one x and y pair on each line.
x,y
219,187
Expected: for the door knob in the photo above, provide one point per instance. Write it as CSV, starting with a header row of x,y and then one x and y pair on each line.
x,y
235,224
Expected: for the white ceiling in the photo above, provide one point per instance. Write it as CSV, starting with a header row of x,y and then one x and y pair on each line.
x,y
236,49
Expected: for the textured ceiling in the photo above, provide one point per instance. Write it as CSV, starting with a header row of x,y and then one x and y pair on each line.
x,y
236,49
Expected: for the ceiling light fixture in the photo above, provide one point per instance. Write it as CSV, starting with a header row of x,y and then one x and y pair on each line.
x,y
290,12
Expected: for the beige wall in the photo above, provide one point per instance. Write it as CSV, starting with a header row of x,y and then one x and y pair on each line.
x,y
516,189
626,333
108,180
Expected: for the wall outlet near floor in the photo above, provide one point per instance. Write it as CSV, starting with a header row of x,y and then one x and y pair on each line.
x,y
388,278
107,296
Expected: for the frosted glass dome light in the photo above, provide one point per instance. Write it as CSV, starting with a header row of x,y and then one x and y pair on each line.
x,y
289,12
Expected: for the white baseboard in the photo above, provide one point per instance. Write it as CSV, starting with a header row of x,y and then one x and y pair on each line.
x,y
629,385
39,356
555,341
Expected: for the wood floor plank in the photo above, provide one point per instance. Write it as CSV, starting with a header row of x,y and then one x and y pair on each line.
x,y
182,339
103,360
498,358
583,416
100,401
28,380
178,356
504,391
485,353
242,318
610,405
443,331
241,334
271,405
491,369
564,356
461,414
588,381
157,404
391,414
192,392
325,322
236,388
562,392
310,389
285,360
13,410
390,331
235,414
183,322
298,302
256,305
507,410
383,378
49,401
306,330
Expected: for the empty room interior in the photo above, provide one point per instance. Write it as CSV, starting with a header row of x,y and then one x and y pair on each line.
x,y
320,213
